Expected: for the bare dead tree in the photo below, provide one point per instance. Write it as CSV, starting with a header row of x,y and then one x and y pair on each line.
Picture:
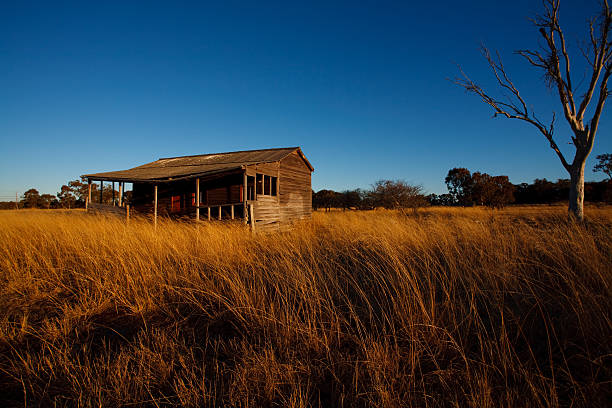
x,y
554,60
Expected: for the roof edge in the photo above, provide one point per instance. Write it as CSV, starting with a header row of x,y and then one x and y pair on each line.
x,y
303,156
100,177
237,151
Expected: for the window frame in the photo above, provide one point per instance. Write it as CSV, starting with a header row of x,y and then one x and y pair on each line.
x,y
266,185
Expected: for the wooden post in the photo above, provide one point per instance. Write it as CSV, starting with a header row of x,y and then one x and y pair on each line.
x,y
232,211
101,190
219,212
244,197
113,188
155,206
88,194
127,213
252,217
208,213
120,193
197,199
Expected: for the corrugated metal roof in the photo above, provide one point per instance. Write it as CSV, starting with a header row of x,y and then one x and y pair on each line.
x,y
174,168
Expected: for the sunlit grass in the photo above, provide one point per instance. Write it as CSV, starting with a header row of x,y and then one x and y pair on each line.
x,y
468,307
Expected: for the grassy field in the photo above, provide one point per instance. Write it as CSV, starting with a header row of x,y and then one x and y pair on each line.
x,y
449,307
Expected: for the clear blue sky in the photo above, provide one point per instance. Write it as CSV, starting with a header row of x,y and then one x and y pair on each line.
x,y
361,86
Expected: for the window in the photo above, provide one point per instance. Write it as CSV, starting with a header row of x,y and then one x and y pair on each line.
x,y
250,188
266,185
259,179
274,185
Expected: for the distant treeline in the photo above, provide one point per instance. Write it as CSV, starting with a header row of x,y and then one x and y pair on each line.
x,y
464,189
384,193
542,191
71,195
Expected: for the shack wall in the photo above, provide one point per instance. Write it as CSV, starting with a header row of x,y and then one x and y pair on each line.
x,y
294,199
295,189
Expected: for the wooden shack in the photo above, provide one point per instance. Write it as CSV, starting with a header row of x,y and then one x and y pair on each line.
x,y
266,188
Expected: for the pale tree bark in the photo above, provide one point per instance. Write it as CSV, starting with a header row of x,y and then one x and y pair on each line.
x,y
554,60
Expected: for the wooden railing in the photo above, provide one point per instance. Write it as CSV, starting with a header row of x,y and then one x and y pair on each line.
x,y
109,209
219,208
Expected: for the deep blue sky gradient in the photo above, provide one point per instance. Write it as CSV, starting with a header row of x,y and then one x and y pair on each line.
x,y
361,86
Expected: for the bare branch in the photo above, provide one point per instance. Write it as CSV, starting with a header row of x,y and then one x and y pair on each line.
x,y
568,79
510,110
604,92
550,62
592,35
532,56
601,49
550,57
586,54
506,83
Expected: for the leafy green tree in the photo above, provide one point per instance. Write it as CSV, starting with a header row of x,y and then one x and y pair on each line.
x,y
66,197
604,164
350,199
441,200
326,199
492,191
31,199
47,200
459,184
366,201
79,189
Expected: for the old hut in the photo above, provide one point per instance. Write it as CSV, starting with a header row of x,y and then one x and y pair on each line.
x,y
265,188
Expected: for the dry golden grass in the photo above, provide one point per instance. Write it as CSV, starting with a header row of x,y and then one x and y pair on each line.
x,y
451,307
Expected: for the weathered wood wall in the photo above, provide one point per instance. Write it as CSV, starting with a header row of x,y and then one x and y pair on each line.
x,y
295,189
266,209
266,212
294,199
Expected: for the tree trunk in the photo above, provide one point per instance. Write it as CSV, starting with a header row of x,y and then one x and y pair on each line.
x,y
576,194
